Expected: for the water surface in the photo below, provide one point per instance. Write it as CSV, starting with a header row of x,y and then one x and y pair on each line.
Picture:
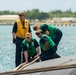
x,y
67,45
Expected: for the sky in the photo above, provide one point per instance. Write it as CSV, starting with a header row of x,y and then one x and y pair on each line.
x,y
42,5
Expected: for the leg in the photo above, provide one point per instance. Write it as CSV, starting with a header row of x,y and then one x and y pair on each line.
x,y
23,58
57,36
18,55
18,51
49,54
55,55
46,55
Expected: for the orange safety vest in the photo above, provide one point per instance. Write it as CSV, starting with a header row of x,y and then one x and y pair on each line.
x,y
22,30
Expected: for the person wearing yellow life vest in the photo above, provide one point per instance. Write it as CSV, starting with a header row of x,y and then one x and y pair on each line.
x,y
30,47
48,47
20,28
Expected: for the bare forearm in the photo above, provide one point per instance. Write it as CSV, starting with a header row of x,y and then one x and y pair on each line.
x,y
38,50
46,45
26,55
13,35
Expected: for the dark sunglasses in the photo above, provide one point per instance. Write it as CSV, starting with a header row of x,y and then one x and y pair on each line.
x,y
35,28
20,15
37,33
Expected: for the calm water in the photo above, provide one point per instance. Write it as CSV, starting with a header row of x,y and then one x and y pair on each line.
x,y
67,45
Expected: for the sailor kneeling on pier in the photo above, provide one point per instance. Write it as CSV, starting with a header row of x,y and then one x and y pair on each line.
x,y
30,48
48,47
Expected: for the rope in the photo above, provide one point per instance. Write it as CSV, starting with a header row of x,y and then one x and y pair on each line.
x,y
23,65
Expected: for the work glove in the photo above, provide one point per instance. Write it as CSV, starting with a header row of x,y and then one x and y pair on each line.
x,y
14,40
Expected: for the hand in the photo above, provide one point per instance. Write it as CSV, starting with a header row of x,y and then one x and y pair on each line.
x,y
36,56
26,62
14,40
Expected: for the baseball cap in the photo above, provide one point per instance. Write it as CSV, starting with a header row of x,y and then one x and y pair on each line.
x,y
39,31
28,35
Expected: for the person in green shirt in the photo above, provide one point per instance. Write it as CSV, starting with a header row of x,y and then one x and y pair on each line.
x,y
48,47
50,30
30,48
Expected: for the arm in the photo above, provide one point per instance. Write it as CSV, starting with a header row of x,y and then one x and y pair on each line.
x,y
30,30
44,40
45,29
14,32
38,52
26,56
24,48
46,45
13,35
37,48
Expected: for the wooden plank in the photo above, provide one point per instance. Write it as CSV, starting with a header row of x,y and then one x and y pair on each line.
x,y
59,61
55,72
53,62
40,69
23,65
46,67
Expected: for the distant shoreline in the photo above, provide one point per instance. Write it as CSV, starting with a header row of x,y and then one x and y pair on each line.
x,y
5,24
71,24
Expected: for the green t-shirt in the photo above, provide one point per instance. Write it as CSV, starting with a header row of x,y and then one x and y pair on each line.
x,y
31,49
48,27
44,38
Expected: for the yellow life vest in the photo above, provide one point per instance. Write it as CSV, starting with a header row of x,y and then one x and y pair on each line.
x,y
22,30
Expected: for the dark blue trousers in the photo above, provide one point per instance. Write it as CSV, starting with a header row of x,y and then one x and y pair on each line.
x,y
49,54
19,56
57,36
